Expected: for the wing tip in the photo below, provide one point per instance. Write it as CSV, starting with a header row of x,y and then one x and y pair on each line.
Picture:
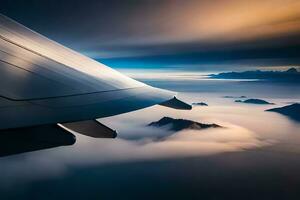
x,y
176,104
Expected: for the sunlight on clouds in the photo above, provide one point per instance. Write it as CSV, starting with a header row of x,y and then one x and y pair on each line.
x,y
136,142
245,128
89,151
215,21
205,142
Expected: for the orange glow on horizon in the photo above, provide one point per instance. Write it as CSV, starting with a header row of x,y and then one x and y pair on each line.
x,y
219,21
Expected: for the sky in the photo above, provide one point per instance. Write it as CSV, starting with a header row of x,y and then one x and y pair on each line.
x,y
191,35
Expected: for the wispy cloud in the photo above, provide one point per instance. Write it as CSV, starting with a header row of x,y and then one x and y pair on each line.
x,y
190,31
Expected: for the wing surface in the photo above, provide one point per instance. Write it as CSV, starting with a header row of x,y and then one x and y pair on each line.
x,y
43,82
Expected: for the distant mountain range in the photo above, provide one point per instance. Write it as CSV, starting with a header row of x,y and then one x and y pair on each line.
x,y
292,111
181,124
254,101
289,75
234,97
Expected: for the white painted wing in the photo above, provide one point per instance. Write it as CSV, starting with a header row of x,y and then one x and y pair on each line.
x,y
43,82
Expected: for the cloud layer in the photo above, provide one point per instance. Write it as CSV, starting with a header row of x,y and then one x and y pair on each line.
x,y
169,31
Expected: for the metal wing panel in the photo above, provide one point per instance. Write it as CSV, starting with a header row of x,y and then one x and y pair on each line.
x,y
20,45
42,66
17,83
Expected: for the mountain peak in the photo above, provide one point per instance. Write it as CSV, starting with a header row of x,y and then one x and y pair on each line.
x,y
254,101
180,124
292,70
292,111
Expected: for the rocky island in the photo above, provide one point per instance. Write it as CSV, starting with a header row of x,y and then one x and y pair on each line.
x,y
181,124
254,101
200,104
234,97
292,111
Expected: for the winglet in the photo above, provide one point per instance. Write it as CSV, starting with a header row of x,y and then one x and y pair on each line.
x,y
176,104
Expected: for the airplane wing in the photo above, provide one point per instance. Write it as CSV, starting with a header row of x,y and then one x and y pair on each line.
x,y
43,82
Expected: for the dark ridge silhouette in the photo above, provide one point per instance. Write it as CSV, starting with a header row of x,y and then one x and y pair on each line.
x,y
234,97
200,104
180,124
21,140
292,111
292,70
254,101
290,75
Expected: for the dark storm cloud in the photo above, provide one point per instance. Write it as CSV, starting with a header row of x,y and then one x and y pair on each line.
x,y
168,32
